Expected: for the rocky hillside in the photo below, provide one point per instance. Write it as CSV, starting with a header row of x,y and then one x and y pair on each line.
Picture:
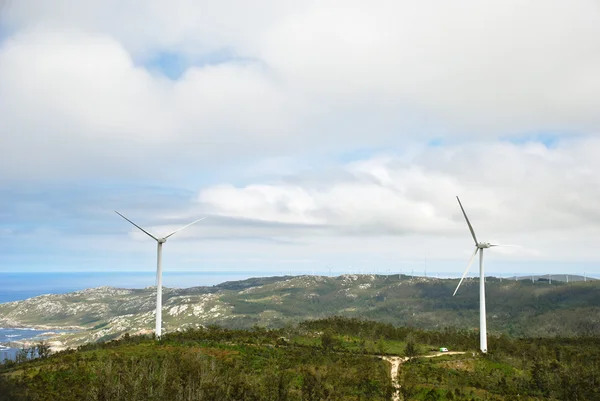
x,y
519,308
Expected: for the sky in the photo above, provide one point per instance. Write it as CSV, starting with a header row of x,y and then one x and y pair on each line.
x,y
315,136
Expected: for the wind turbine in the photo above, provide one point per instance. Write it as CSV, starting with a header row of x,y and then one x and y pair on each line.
x,y
160,242
479,247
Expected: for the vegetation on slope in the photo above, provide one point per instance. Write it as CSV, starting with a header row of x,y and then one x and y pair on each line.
x,y
517,308
330,359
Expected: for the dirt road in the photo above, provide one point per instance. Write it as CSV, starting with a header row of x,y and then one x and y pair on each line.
x,y
396,361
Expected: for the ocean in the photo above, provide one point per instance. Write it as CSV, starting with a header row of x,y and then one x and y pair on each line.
x,y
20,286
9,335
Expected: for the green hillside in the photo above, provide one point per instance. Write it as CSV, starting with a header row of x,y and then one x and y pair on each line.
x,y
516,308
331,359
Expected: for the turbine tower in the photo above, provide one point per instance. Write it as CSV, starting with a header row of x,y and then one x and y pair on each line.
x,y
160,242
479,247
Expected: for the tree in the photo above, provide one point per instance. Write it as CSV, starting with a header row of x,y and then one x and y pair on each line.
x,y
411,350
539,377
407,379
432,395
22,355
327,341
283,386
311,386
43,349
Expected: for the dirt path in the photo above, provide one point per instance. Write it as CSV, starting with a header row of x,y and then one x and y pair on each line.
x,y
396,361
442,354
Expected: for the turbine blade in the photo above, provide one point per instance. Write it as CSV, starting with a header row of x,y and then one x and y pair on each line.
x,y
466,270
467,219
179,229
512,246
152,236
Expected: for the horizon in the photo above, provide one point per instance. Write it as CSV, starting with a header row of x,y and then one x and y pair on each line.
x,y
17,286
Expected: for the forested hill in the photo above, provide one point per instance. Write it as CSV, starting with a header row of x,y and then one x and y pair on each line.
x,y
329,359
517,308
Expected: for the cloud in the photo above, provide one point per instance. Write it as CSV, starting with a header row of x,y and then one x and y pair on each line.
x,y
341,130
79,100
190,27
479,68
506,188
79,106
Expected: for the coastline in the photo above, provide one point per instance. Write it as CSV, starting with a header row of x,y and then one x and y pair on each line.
x,y
55,345
51,334
16,325
51,338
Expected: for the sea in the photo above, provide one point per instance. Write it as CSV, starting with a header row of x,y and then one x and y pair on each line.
x,y
8,335
20,286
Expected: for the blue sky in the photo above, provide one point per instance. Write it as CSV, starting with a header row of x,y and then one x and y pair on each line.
x,y
311,136
173,64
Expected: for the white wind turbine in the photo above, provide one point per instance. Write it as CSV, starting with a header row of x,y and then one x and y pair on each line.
x,y
160,242
479,247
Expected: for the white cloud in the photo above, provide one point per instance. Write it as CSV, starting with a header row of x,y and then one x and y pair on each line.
x,y
526,193
326,75
307,83
192,27
77,105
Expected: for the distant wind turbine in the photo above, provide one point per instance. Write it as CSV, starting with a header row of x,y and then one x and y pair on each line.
x,y
479,247
160,242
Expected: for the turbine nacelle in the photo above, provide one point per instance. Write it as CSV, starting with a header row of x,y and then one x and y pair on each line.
x,y
161,240
483,245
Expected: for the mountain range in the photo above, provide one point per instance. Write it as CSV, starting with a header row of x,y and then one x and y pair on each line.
x,y
515,307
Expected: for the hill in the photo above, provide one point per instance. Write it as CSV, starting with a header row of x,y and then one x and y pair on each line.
x,y
517,308
548,278
330,359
